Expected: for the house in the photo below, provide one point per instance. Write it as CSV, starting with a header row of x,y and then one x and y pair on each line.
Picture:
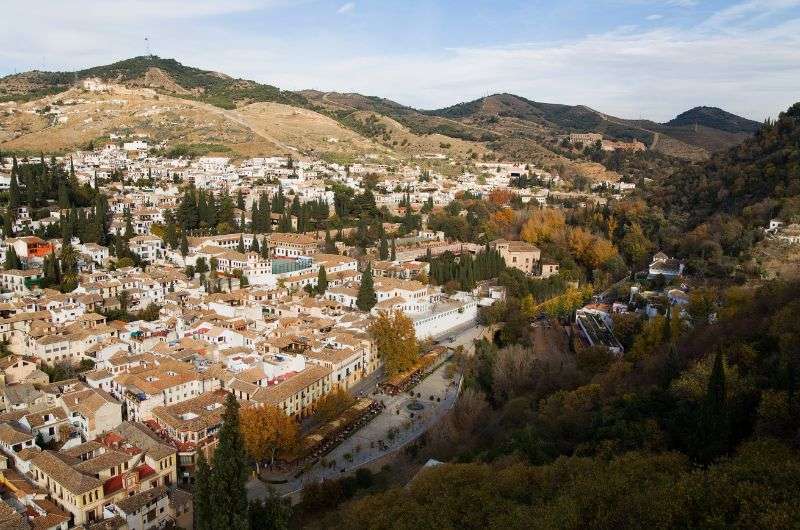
x,y
663,265
283,245
518,254
20,281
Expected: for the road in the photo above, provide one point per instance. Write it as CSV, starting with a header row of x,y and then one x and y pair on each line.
x,y
404,423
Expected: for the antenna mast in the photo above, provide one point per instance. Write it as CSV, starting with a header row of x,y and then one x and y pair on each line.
x,y
147,46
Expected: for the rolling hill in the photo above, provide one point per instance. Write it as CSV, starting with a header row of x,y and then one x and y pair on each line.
x,y
342,123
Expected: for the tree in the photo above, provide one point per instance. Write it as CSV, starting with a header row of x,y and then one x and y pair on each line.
x,y
268,433
12,260
383,248
273,513
330,246
393,255
333,404
184,244
322,280
714,417
240,245
229,472
396,340
201,493
366,292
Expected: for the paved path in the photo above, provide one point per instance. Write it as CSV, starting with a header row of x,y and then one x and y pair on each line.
x,y
364,446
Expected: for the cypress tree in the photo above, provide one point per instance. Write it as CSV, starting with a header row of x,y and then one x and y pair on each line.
x,y
184,244
254,246
322,280
255,215
201,493
229,474
13,190
330,247
393,255
366,292
8,223
12,260
383,248
714,415
240,245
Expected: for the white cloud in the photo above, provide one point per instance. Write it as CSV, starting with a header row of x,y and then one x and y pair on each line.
x,y
726,60
654,17
346,8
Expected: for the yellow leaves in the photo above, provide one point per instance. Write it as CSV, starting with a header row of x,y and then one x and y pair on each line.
x,y
503,218
267,432
333,404
564,304
543,225
397,341
589,249
500,196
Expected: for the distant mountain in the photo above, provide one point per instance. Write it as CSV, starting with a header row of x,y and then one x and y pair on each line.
x,y
164,75
715,118
756,180
693,134
510,125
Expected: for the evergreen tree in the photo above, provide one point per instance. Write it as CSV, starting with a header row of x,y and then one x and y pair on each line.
x,y
8,223
184,244
254,246
240,244
13,190
713,420
322,280
383,248
256,220
393,255
201,493
12,260
170,231
128,225
330,247
366,292
229,474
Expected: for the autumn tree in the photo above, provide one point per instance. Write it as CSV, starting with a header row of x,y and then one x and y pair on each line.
x,y
268,433
333,404
397,342
543,225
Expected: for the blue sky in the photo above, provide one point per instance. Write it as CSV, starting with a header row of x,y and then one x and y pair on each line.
x,y
631,58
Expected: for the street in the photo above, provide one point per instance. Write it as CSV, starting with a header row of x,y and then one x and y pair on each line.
x,y
403,420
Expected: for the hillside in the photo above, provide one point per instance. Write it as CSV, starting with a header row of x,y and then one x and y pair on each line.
x,y
164,75
501,126
757,179
715,118
692,135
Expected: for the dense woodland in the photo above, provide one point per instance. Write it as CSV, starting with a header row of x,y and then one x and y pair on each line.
x,y
696,426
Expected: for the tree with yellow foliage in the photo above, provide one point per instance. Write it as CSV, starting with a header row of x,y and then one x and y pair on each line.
x,y
543,225
268,433
397,342
333,404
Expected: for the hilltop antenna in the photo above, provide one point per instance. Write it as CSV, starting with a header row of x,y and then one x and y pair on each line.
x,y
147,46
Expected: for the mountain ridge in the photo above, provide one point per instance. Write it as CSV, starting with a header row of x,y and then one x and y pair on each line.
x,y
496,120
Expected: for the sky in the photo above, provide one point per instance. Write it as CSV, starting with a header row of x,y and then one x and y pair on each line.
x,y
630,58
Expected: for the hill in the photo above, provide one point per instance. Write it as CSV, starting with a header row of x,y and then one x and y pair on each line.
x,y
692,135
164,75
715,118
501,126
758,178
